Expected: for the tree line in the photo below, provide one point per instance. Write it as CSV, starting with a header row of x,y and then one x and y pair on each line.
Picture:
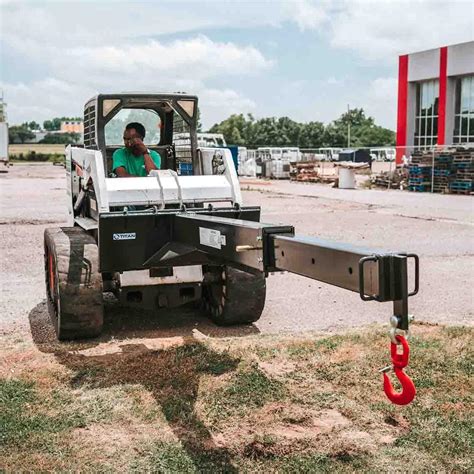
x,y
26,132
283,131
245,130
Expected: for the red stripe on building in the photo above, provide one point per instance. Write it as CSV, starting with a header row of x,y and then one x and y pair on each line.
x,y
443,81
402,106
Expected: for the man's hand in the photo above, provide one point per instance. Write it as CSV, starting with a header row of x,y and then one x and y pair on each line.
x,y
138,147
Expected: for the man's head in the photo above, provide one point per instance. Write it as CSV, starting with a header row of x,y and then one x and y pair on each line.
x,y
132,131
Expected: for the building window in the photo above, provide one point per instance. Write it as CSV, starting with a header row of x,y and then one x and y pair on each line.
x,y
464,111
426,119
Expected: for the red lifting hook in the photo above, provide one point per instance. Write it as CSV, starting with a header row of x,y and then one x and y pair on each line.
x,y
400,361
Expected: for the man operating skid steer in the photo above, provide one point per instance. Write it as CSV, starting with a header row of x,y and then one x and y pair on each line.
x,y
134,159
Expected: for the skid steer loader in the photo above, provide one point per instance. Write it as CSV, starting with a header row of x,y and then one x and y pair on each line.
x,y
182,234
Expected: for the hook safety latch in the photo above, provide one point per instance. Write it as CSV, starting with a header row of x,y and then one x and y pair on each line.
x,y
399,361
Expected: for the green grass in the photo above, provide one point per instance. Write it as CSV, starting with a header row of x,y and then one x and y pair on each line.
x,y
22,415
249,388
175,458
214,407
321,346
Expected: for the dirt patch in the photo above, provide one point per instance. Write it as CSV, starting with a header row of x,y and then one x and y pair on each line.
x,y
31,222
277,368
140,345
347,353
108,441
326,421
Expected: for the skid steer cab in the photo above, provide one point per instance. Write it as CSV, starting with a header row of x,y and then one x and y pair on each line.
x,y
182,234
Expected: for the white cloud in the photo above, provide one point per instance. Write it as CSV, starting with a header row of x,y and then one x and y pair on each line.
x,y
219,104
197,57
44,99
65,51
50,97
381,101
306,14
384,29
148,64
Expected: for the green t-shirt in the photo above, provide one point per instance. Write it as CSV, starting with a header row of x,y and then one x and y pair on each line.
x,y
133,164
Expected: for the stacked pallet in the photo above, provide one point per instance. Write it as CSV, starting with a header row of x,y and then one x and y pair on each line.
x,y
420,171
442,172
463,173
453,171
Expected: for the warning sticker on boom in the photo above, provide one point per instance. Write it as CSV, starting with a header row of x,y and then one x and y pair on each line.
x,y
211,238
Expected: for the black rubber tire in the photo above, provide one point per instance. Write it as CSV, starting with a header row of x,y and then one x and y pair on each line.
x,y
237,297
73,283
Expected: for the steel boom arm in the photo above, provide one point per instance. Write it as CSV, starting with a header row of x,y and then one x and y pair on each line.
x,y
375,275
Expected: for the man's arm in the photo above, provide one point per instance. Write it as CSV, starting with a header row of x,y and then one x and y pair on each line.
x,y
121,172
141,148
149,163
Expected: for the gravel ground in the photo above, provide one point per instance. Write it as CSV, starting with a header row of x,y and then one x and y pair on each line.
x,y
438,228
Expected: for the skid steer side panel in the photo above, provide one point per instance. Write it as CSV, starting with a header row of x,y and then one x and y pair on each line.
x,y
128,241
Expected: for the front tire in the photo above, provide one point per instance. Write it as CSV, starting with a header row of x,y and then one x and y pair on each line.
x,y
234,296
73,283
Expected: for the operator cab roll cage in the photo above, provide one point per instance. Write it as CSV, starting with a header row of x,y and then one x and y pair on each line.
x,y
102,108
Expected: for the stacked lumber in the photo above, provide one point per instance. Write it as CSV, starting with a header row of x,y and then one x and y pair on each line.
x,y
312,172
397,179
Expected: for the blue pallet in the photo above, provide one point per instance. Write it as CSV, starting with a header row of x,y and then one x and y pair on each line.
x,y
460,185
418,188
185,169
463,164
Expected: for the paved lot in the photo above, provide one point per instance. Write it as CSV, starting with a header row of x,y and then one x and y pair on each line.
x,y
439,228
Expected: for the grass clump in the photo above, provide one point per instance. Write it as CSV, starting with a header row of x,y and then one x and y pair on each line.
x,y
25,416
319,346
165,457
249,388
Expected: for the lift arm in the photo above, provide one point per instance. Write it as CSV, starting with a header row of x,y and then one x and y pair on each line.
x,y
375,275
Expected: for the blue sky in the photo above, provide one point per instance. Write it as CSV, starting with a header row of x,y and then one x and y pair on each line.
x,y
300,58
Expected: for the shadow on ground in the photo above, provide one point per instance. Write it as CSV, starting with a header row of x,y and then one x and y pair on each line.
x,y
171,374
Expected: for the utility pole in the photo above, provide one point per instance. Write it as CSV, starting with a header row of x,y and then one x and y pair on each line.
x,y
348,127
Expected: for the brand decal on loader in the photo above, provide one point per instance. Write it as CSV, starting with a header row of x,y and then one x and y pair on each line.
x,y
125,236
211,238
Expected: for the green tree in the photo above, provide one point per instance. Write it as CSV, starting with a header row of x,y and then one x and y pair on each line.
x,y
312,135
364,131
55,123
20,134
31,125
60,138
283,131
234,129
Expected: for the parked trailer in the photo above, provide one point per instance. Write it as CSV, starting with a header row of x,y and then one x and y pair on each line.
x,y
4,145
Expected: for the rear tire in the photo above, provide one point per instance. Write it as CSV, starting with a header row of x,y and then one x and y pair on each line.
x,y
73,283
236,297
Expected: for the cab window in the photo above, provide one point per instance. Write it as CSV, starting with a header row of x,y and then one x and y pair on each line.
x,y
148,118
